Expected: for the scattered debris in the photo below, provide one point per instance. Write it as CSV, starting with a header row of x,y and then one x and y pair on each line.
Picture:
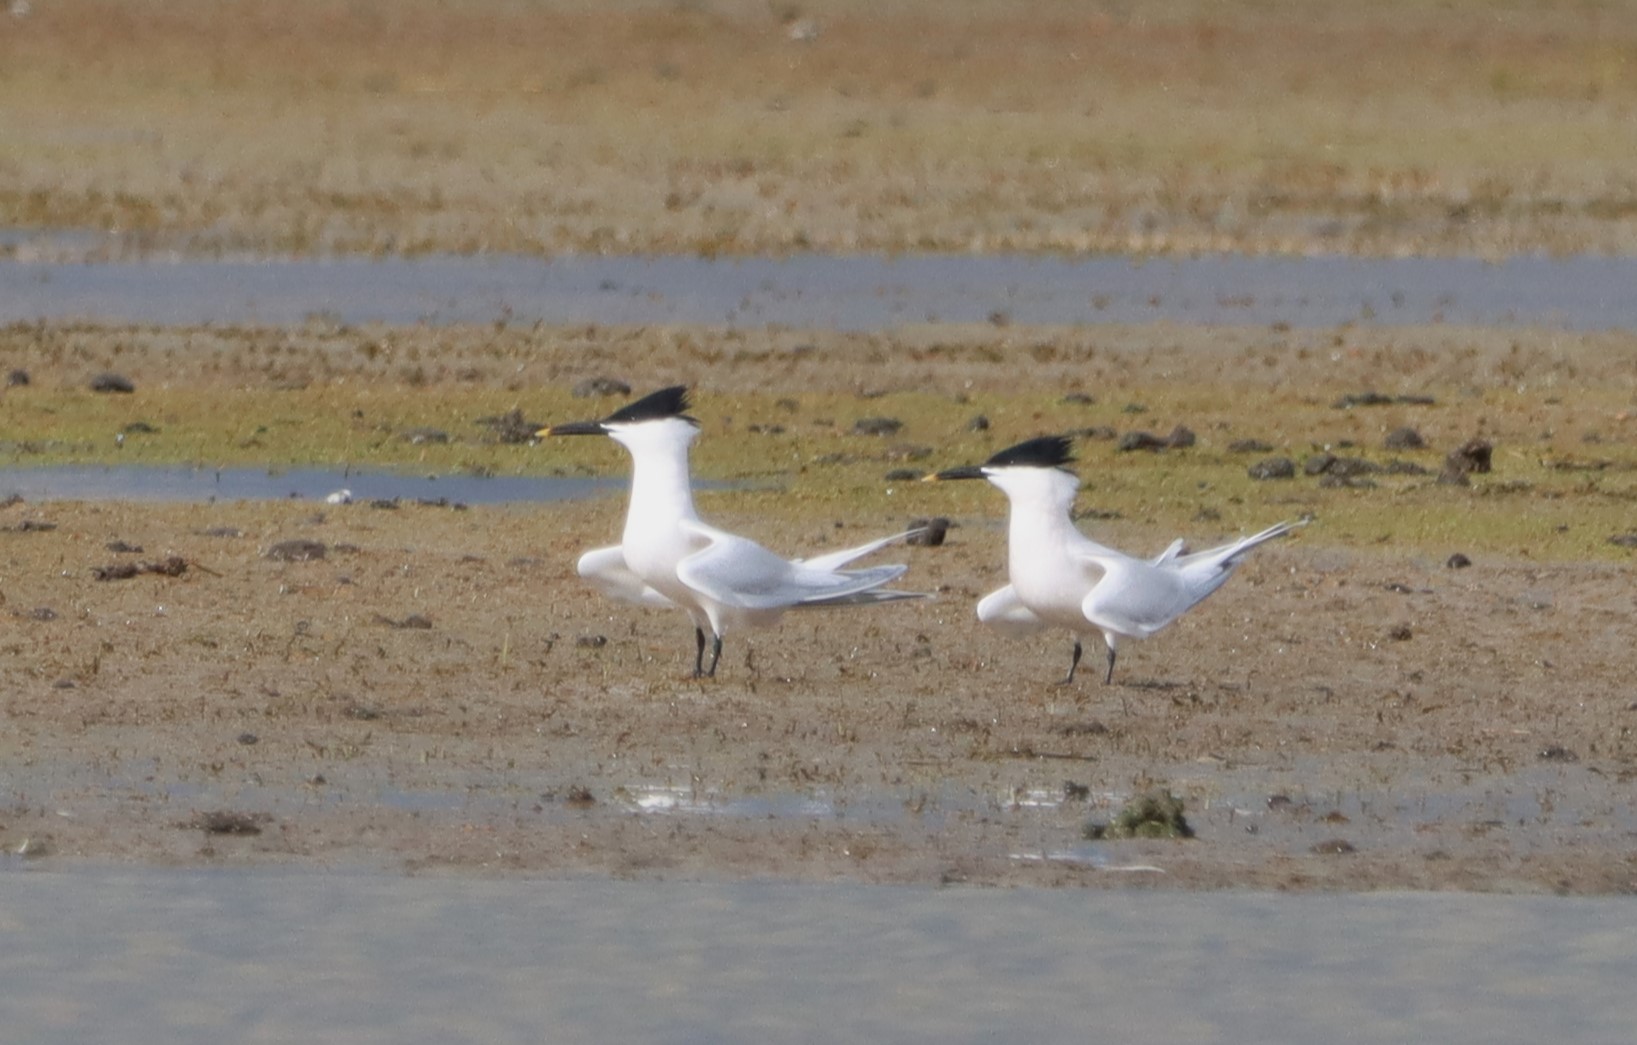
x,y
1340,467
424,435
1558,753
223,822
1371,398
171,566
1156,814
298,550
30,526
1140,441
877,426
512,427
1333,847
1352,399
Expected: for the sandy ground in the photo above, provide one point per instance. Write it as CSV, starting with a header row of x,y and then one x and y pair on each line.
x,y
743,126
441,692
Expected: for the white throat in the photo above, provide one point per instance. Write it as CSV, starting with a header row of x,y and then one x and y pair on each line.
x,y
1041,501
661,492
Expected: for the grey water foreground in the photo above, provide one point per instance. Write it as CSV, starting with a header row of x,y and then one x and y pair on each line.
x,y
155,483
865,292
177,957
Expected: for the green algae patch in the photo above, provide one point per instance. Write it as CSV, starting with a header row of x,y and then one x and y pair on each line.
x,y
831,429
1155,814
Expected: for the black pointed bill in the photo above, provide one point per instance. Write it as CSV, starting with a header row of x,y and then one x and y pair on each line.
x,y
575,428
969,471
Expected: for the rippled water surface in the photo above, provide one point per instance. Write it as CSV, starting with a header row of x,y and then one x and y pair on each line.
x,y
848,293
145,483
166,957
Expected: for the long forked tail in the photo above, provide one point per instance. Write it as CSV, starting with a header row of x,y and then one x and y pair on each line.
x,y
1227,555
836,560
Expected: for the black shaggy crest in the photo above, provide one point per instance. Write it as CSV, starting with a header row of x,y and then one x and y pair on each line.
x,y
667,402
1048,451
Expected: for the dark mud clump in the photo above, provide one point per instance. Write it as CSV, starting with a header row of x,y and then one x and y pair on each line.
x,y
928,533
1405,438
224,822
1475,456
110,382
1273,468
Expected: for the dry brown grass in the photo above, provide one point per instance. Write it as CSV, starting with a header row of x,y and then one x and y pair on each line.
x,y
318,125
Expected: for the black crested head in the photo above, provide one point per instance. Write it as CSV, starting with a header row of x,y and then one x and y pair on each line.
x,y
656,406
1048,451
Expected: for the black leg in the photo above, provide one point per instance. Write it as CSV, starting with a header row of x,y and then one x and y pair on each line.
x,y
1110,676
716,654
1074,662
699,653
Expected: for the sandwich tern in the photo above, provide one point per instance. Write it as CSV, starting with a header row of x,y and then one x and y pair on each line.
x,y
667,556
1062,578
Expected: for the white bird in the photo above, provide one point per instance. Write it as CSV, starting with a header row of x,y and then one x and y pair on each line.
x,y
1062,578
667,556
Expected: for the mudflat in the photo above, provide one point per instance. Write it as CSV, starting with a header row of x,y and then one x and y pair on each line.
x,y
430,686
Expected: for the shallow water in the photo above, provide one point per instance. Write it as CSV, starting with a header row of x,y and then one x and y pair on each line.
x,y
847,293
148,483
172,957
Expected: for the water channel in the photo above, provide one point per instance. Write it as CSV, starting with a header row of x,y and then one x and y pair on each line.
x,y
864,292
